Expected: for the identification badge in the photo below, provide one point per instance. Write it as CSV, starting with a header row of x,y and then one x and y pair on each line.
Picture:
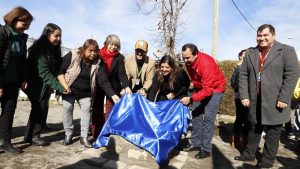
x,y
137,81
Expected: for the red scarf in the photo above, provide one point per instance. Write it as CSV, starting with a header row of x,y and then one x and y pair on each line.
x,y
107,57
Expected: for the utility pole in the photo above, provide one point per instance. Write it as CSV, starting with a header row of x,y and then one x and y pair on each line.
x,y
215,32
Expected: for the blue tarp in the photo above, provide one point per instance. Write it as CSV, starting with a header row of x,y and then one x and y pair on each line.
x,y
155,127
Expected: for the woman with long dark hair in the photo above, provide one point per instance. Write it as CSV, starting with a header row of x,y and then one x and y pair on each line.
x,y
43,63
170,82
12,75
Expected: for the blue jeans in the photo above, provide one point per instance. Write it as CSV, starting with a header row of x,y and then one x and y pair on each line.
x,y
204,116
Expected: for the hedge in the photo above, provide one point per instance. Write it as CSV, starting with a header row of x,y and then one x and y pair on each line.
x,y
227,105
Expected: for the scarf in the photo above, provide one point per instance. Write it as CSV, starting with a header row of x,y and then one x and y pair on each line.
x,y
107,58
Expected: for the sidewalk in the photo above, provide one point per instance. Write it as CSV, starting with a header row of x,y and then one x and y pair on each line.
x,y
121,154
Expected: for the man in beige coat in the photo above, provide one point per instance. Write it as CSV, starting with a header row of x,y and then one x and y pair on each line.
x,y
140,68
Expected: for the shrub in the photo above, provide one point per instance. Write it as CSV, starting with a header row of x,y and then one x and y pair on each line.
x,y
227,105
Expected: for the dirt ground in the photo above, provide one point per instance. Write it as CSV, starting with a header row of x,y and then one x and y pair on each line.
x,y
53,156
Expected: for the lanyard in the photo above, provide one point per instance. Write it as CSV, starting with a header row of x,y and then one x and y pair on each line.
x,y
262,61
139,72
261,64
138,78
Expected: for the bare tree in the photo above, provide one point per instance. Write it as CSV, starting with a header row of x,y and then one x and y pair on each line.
x,y
168,12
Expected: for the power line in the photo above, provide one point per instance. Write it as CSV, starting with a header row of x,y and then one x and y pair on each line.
x,y
243,15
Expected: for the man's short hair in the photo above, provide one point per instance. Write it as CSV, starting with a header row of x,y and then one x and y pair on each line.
x,y
192,47
241,52
264,26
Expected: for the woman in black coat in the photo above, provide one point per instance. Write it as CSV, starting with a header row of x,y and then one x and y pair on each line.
x,y
170,82
116,74
12,75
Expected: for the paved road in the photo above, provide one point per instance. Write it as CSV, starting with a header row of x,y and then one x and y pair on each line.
x,y
123,155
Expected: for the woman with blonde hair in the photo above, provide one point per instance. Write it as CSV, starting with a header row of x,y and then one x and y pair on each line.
x,y
13,51
116,73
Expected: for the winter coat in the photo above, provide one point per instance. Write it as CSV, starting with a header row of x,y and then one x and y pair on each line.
x,y
206,76
279,75
40,78
159,92
5,43
97,74
117,74
147,71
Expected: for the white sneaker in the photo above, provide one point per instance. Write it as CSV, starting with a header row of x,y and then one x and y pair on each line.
x,y
291,136
263,135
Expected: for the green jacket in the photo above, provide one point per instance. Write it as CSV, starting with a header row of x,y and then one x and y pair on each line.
x,y
40,78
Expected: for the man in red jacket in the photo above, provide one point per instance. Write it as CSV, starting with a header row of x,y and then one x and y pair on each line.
x,y
209,86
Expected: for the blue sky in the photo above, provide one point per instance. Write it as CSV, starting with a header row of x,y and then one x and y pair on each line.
x,y
81,19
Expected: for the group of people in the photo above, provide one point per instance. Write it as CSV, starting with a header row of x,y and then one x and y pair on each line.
x,y
97,78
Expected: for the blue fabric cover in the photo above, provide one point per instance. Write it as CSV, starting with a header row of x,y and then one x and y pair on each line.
x,y
155,127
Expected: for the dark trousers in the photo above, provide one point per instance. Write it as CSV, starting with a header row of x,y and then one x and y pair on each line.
x,y
204,116
44,124
271,141
241,124
288,127
38,114
8,106
98,118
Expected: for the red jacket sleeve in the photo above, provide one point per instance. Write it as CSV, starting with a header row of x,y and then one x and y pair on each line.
x,y
207,81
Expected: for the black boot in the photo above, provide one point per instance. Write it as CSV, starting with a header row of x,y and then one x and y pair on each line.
x,y
46,129
68,140
38,141
202,154
8,148
190,148
84,141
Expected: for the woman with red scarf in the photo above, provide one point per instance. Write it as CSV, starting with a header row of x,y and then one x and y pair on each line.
x,y
115,70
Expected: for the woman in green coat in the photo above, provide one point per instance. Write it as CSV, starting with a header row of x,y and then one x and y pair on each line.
x,y
43,63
